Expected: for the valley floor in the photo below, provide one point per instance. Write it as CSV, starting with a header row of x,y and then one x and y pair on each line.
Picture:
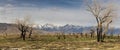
x,y
51,42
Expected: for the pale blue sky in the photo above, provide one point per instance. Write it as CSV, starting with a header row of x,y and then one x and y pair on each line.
x,y
57,12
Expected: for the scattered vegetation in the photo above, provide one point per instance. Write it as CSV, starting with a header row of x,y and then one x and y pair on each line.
x,y
54,42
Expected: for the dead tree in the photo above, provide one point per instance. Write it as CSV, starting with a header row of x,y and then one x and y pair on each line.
x,y
58,36
30,30
63,35
102,14
23,26
86,35
92,33
118,36
81,34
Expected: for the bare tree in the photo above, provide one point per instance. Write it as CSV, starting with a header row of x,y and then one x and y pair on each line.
x,y
58,36
23,26
103,16
81,34
92,33
30,30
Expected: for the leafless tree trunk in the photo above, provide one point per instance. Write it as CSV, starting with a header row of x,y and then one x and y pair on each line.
x,y
63,35
30,31
92,33
81,34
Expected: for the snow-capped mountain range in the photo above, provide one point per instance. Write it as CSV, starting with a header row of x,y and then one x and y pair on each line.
x,y
53,28
73,28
